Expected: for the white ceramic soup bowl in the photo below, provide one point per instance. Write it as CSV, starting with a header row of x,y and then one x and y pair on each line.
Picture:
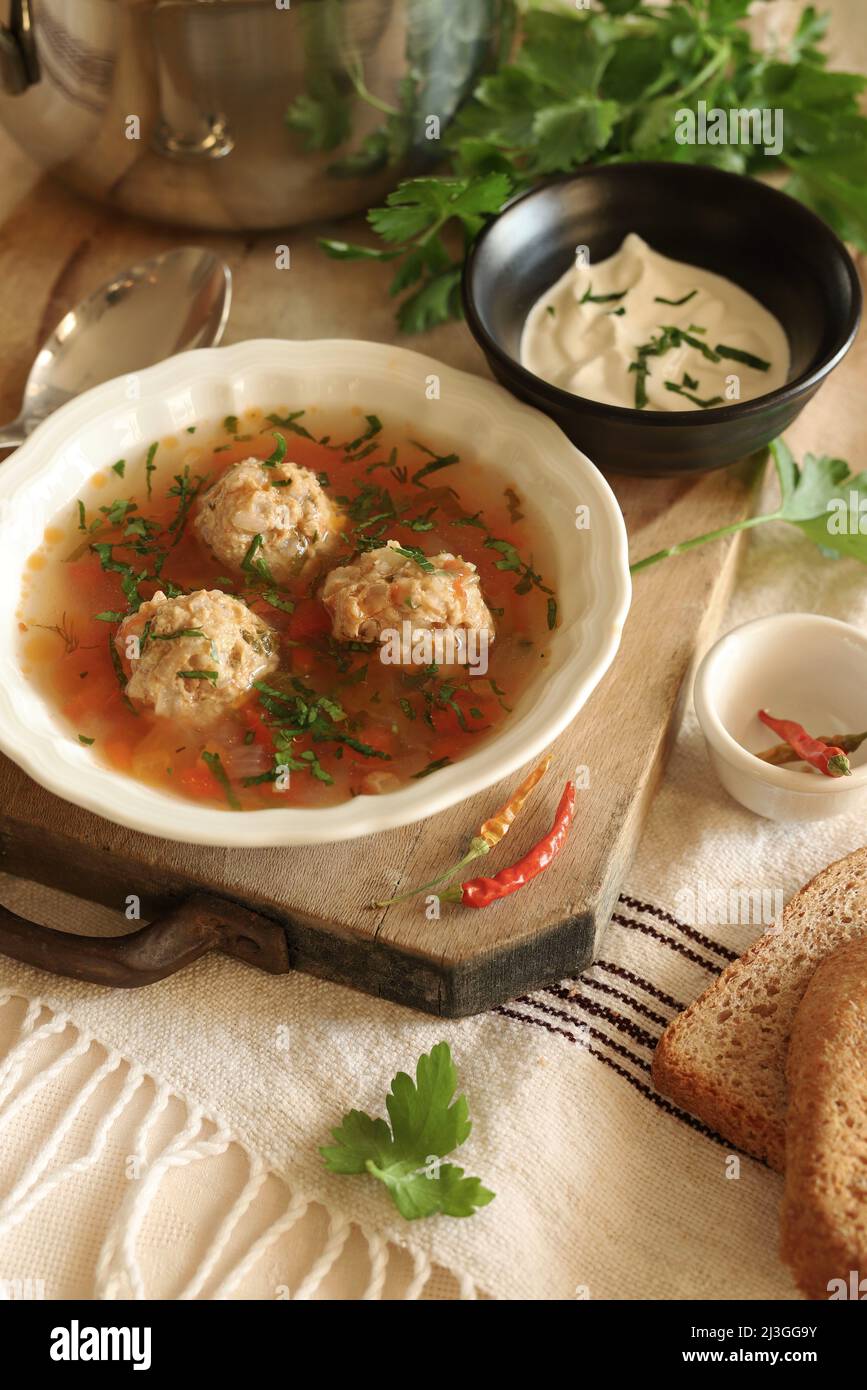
x,y
589,566
800,666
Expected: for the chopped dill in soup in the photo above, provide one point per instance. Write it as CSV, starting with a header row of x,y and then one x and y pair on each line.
x,y
288,609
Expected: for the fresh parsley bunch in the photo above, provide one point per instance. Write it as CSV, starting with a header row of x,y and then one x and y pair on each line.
x,y
426,1124
605,86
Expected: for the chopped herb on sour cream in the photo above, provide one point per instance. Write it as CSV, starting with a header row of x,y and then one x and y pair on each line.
x,y
610,339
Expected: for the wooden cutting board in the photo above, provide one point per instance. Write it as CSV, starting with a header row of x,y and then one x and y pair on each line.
x,y
54,249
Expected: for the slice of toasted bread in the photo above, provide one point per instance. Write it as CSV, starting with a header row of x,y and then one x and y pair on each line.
x,y
723,1059
824,1217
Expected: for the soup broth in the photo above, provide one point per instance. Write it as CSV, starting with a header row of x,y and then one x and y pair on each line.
x,y
331,719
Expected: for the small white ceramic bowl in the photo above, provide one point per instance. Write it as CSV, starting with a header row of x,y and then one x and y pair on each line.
x,y
590,566
799,666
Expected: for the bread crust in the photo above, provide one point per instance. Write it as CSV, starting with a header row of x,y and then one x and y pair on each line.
x,y
824,1214
723,1058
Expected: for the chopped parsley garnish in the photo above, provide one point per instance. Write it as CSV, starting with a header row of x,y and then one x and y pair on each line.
x,y
588,297
172,636
361,446
432,767
215,763
738,355
301,711
437,461
510,560
616,313
677,335
356,677
255,564
119,468
279,452
212,676
119,673
129,581
500,694
82,738
290,422
399,474
109,617
150,466
549,309
660,299
422,522
669,337
412,553
186,489
696,400
82,517
143,529
271,597
552,613
230,424
513,502
116,513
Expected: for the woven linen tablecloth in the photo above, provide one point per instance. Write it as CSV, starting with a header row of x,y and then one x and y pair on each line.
x,y
165,1143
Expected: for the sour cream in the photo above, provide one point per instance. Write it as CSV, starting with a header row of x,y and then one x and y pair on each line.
x,y
606,332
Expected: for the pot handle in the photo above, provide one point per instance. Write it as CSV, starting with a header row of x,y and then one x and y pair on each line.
x,y
19,65
202,923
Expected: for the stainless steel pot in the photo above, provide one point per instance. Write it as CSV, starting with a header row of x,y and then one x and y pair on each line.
x,y
240,113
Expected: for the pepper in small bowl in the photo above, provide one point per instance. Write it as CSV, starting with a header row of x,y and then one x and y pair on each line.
x,y
828,758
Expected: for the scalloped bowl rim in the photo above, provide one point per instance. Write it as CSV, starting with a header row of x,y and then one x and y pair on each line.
x,y
69,770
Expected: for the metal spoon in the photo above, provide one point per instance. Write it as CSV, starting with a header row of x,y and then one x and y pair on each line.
x,y
176,301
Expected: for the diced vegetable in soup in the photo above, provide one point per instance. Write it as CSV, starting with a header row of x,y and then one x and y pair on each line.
x,y
288,610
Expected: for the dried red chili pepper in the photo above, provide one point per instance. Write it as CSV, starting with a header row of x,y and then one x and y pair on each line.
x,y
783,753
489,834
827,757
480,892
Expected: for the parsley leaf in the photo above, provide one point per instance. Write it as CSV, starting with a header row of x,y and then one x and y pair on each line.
x,y
427,1123
411,224
821,496
321,115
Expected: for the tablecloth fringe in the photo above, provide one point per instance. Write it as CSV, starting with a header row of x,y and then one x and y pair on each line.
x,y
118,1273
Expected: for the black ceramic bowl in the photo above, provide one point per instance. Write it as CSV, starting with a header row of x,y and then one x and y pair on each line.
x,y
768,243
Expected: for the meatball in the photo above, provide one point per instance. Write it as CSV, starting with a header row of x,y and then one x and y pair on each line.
x,y
205,631
284,504
385,588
